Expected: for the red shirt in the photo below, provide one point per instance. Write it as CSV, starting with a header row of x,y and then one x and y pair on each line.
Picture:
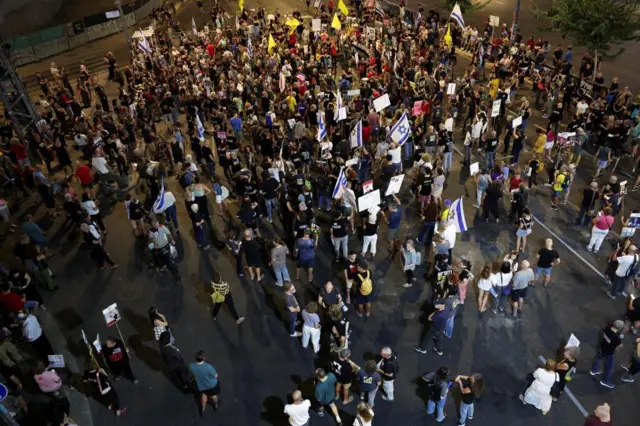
x,y
211,50
514,183
19,151
12,302
366,130
84,175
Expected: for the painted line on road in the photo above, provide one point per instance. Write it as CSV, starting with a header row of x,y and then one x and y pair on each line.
x,y
570,394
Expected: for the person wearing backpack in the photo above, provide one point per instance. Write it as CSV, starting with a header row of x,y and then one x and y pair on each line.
x,y
364,291
627,267
438,385
388,368
560,185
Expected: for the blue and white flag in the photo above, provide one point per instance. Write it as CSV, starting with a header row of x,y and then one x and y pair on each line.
x,y
199,127
250,47
158,205
401,130
144,45
341,183
336,114
456,15
194,27
356,135
322,129
456,215
418,19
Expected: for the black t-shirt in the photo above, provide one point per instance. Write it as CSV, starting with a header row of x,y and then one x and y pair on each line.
x,y
207,153
342,370
467,398
610,341
341,326
547,257
425,185
352,269
269,188
370,229
491,145
251,249
340,228
115,354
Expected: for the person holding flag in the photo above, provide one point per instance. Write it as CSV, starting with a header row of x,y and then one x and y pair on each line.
x,y
401,131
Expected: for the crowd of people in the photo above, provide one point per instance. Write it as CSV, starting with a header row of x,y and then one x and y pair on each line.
x,y
272,122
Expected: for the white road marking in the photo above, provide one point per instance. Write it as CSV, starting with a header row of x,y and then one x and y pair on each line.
x,y
570,394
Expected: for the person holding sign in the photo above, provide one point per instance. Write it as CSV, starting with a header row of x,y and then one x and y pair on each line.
x,y
117,357
102,389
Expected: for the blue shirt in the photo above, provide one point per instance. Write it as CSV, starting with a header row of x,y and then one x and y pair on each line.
x,y
326,391
34,232
205,375
236,123
395,218
306,249
368,382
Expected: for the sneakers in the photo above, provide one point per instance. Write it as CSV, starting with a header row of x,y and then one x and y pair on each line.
x,y
296,334
239,321
611,295
418,349
607,384
439,352
595,373
627,379
625,367
407,285
321,413
121,412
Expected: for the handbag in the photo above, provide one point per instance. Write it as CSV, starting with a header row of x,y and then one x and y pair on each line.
x,y
218,297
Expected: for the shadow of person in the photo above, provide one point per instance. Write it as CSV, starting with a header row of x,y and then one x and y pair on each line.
x,y
274,411
141,323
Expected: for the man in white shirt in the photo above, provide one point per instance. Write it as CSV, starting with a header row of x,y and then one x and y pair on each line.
x,y
100,164
626,266
32,332
298,412
449,234
161,237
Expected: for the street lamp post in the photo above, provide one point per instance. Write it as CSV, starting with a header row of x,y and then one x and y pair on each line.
x,y
125,26
514,25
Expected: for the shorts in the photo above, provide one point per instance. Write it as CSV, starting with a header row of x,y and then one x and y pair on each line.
x,y
518,294
306,264
602,164
523,232
557,194
548,145
213,391
393,234
543,271
345,381
361,299
253,263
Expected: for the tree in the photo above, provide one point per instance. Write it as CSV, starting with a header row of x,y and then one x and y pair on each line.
x,y
598,25
467,5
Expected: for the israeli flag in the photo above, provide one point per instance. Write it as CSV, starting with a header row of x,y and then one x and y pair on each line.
x,y
199,127
250,47
456,214
341,183
336,113
456,15
322,129
144,45
401,130
356,135
158,205
418,19
194,27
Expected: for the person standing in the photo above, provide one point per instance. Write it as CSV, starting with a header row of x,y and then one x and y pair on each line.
x,y
278,255
207,381
32,332
388,369
364,415
519,286
538,393
394,220
222,295
311,327
492,198
364,291
589,198
369,380
340,236
634,364
525,223
235,247
199,225
602,224
627,265
305,253
410,259
117,357
174,360
438,385
344,373
547,258
566,370
252,249
293,308
325,392
601,416
103,390
610,342
370,240
482,180
470,389
298,411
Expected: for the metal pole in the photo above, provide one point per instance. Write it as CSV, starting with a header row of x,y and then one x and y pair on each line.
x,y
516,15
125,26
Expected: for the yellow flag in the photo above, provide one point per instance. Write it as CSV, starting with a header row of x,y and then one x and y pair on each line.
x,y
241,5
292,23
271,45
447,37
343,8
335,23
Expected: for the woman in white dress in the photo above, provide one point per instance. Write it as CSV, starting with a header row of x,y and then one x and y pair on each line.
x,y
484,287
538,393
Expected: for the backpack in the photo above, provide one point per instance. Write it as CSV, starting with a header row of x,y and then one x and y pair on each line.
x,y
633,268
187,179
567,181
367,285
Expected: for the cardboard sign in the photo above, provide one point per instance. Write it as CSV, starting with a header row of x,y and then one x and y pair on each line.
x,y
367,201
367,186
494,21
221,135
573,342
56,361
342,113
291,122
316,24
633,221
355,92
351,162
394,185
111,315
474,168
317,4
516,122
451,89
417,108
495,108
97,344
381,103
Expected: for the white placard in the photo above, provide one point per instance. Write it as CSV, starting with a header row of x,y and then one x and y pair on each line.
x,y
495,108
494,21
371,33
317,4
111,315
367,186
623,183
112,14
240,87
573,342
292,122
316,25
56,361
342,113
474,168
84,337
354,92
451,89
97,344
394,185
367,201
381,103
517,122
351,162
